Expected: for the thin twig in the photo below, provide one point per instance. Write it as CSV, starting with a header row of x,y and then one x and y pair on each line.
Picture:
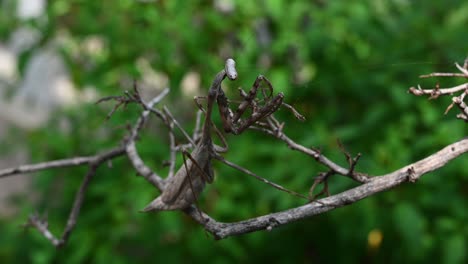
x,y
74,213
317,155
443,74
131,150
442,91
76,161
94,163
63,163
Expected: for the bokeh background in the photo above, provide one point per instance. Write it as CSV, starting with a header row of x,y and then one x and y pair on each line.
x,y
346,65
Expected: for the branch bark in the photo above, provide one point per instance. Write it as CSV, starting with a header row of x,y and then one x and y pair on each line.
x,y
409,173
368,185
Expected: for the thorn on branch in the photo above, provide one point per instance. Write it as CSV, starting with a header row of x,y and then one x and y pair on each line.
x,y
42,225
123,100
459,101
351,161
317,152
275,125
435,92
345,152
449,107
416,91
295,112
34,219
412,177
463,69
354,163
463,117
272,223
279,130
130,136
321,178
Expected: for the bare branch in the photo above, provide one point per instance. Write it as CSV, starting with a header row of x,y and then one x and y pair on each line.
x,y
464,72
463,69
45,165
94,163
457,100
442,91
63,163
294,111
130,147
443,74
461,104
43,227
374,185
72,218
317,155
321,178
181,189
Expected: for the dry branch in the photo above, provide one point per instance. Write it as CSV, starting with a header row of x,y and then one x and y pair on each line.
x,y
409,173
93,163
437,91
270,126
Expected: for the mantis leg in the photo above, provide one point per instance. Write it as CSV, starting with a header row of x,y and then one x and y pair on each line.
x,y
205,177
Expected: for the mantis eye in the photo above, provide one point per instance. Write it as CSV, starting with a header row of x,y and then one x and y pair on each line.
x,y
230,69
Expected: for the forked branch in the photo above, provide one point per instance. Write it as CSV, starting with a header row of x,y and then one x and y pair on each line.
x,y
461,90
409,173
261,119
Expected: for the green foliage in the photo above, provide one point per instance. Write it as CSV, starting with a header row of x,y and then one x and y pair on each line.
x,y
346,65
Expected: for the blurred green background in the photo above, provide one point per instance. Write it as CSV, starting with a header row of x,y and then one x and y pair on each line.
x,y
346,65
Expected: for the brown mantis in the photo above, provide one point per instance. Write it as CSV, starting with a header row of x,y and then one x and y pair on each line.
x,y
183,188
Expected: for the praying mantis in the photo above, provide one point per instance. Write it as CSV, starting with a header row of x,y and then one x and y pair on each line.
x,y
185,186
